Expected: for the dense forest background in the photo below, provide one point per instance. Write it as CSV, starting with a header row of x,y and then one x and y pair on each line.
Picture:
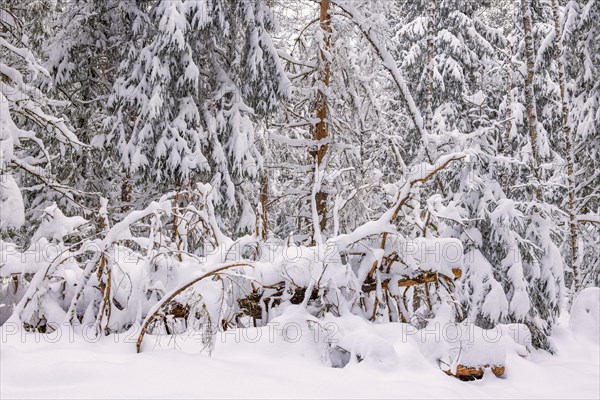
x,y
167,164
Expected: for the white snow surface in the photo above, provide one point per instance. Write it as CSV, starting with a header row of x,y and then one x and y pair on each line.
x,y
585,314
276,362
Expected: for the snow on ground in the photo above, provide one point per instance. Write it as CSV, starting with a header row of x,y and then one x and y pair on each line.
x,y
258,363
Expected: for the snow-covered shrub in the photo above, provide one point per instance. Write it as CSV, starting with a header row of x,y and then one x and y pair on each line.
x,y
169,268
101,281
585,314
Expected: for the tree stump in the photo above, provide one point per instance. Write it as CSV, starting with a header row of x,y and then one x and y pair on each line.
x,y
465,373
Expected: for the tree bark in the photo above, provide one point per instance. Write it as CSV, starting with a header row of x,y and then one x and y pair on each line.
x,y
530,105
569,144
177,239
126,193
264,200
321,131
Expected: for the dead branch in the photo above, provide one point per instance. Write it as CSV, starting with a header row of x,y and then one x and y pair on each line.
x,y
167,300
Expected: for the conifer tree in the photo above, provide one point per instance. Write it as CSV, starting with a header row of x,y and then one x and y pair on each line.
x,y
188,94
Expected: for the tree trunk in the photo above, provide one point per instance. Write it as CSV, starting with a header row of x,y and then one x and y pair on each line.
x,y
509,104
321,131
530,105
569,144
177,239
126,193
264,200
428,115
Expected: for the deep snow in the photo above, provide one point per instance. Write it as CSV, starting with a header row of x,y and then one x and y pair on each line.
x,y
242,365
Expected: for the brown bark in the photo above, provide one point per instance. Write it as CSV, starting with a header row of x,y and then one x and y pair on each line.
x,y
569,144
465,373
264,201
400,201
168,300
126,193
530,105
424,278
176,234
321,131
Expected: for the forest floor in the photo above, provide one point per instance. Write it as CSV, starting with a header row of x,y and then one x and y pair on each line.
x,y
245,365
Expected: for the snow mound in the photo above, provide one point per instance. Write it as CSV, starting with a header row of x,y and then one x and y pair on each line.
x,y
585,314
11,204
56,225
353,340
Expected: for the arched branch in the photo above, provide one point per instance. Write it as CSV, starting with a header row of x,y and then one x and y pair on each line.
x,y
174,293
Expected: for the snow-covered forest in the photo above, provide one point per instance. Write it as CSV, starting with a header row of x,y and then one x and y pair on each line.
x,y
401,192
